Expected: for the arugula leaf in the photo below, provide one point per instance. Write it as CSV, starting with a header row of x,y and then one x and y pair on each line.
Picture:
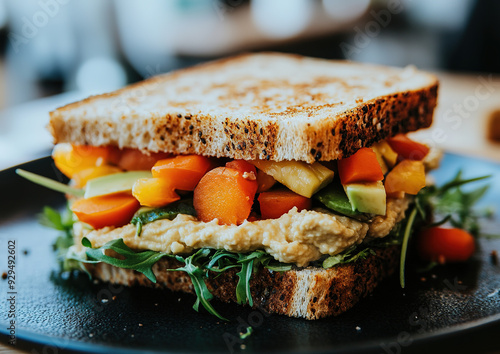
x,y
139,261
167,212
249,263
404,247
243,293
55,220
61,222
351,254
197,274
144,261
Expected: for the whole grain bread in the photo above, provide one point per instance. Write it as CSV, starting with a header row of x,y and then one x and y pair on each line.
x,y
309,293
256,106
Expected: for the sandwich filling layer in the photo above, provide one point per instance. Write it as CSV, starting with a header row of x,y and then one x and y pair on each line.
x,y
296,237
296,212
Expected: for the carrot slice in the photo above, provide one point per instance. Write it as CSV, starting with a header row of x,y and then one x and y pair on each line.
x,y
135,160
224,193
275,203
407,148
154,192
408,176
445,245
182,172
71,159
360,167
106,210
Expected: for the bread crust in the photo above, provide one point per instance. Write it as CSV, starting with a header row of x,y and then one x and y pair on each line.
x,y
309,293
256,106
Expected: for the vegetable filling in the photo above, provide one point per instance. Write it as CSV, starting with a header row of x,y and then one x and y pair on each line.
x,y
117,183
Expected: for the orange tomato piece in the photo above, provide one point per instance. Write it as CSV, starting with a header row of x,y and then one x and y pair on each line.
x,y
275,203
408,176
182,172
264,181
106,210
407,148
135,160
360,167
81,178
154,192
71,159
442,245
242,165
224,194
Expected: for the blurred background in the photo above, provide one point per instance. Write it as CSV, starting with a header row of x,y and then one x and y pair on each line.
x,y
53,52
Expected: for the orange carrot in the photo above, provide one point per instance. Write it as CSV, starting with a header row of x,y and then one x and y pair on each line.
x,y
106,210
360,167
275,203
182,172
408,176
71,159
445,245
135,160
154,192
407,148
224,193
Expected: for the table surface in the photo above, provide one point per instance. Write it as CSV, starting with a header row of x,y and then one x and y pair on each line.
x,y
460,125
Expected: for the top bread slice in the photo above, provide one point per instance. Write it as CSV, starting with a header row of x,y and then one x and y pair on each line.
x,y
256,106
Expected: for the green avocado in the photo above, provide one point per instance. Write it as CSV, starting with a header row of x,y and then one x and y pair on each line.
x,y
117,182
367,197
334,198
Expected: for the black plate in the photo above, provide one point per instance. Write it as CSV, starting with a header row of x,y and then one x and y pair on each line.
x,y
456,307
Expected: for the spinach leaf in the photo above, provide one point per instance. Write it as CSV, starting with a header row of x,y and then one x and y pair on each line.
x,y
334,198
167,212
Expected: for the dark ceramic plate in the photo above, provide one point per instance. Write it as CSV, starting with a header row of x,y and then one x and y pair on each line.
x,y
453,308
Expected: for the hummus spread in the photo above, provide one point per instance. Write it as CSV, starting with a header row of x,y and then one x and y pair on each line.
x,y
296,237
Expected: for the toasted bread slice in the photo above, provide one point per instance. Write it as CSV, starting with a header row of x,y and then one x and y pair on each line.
x,y
256,106
309,293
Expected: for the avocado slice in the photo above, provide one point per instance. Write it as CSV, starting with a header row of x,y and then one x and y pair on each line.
x,y
367,197
117,182
334,198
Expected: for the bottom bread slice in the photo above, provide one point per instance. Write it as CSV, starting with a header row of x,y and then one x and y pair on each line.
x,y
309,292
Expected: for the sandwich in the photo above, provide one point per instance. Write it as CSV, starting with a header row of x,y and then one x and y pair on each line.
x,y
271,180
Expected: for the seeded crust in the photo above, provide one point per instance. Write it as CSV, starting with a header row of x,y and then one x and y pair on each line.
x,y
309,293
256,106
